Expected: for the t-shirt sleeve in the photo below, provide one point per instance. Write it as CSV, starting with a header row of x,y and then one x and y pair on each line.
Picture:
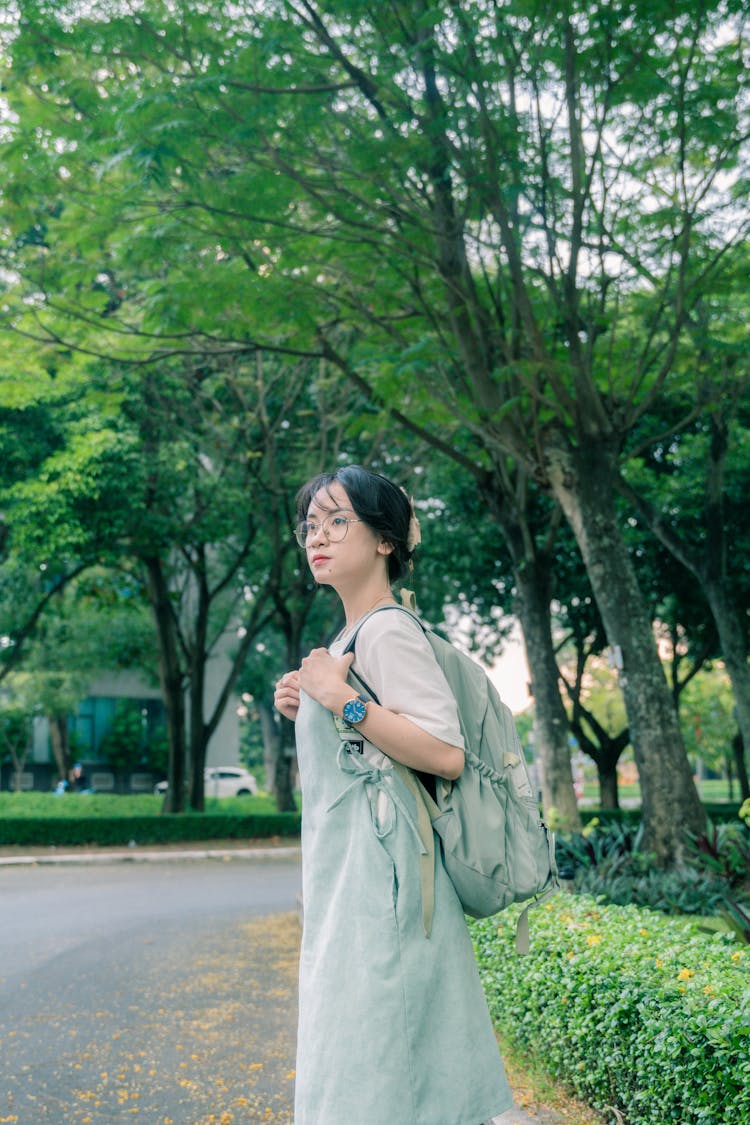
x,y
395,659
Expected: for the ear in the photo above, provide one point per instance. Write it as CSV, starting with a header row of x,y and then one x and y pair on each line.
x,y
385,548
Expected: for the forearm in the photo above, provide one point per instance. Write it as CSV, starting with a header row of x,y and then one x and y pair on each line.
x,y
403,740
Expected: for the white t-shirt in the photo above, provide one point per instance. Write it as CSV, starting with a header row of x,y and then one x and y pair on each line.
x,y
396,661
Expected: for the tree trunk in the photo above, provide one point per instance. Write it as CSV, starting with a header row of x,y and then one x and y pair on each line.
x,y
198,748
508,504
285,768
198,736
197,732
171,680
550,719
734,651
271,735
583,481
19,757
58,733
279,756
609,795
603,748
605,753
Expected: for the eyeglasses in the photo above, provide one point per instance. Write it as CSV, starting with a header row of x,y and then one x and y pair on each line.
x,y
333,527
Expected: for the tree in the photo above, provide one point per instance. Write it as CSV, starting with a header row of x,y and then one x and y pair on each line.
x,y
525,208
547,196
29,433
596,712
98,622
112,298
690,491
707,719
172,479
483,569
685,635
126,745
543,187
15,739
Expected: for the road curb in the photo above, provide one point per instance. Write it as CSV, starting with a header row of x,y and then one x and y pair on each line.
x,y
136,855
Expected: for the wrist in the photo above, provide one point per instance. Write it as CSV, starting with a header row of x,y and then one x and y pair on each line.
x,y
338,698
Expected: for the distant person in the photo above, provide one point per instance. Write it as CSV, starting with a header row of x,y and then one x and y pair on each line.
x,y
78,780
393,1024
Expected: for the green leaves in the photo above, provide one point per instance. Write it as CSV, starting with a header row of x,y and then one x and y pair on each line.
x,y
501,221
633,1010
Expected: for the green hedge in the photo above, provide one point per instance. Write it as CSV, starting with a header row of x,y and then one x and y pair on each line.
x,y
103,830
74,805
632,1009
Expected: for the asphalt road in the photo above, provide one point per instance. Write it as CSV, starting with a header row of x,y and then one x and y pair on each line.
x,y
158,993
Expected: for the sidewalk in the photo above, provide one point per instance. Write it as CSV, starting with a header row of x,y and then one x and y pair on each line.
x,y
148,853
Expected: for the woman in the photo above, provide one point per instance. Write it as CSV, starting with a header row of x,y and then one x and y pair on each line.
x,y
393,1025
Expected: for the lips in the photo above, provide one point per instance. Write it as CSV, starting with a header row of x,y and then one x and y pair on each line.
x,y
319,558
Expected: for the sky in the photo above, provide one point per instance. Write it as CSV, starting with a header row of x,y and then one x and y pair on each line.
x,y
510,674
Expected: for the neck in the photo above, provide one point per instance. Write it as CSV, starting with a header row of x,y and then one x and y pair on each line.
x,y
362,604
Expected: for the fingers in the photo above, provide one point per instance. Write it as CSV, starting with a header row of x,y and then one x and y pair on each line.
x,y
320,675
320,660
289,679
286,695
315,664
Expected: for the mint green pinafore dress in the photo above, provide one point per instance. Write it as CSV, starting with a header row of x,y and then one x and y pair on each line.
x,y
393,1025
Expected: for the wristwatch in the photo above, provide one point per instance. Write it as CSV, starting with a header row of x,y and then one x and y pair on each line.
x,y
354,710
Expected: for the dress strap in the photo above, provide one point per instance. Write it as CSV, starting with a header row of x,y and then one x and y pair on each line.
x,y
381,781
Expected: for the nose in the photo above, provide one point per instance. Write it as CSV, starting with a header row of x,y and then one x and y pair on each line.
x,y
320,535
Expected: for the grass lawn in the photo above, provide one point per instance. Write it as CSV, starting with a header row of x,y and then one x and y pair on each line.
x,y
536,1092
716,789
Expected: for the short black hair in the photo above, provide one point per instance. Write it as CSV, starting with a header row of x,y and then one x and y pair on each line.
x,y
377,501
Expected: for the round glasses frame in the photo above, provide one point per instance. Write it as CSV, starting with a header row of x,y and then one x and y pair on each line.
x,y
333,527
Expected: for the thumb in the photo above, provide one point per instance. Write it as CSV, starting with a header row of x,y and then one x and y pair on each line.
x,y
346,661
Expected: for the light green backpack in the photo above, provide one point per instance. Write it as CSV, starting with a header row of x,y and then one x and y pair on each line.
x,y
496,848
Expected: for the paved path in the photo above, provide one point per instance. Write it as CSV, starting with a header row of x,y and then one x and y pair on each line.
x,y
157,991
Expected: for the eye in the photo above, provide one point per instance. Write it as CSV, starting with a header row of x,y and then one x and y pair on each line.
x,y
309,527
339,521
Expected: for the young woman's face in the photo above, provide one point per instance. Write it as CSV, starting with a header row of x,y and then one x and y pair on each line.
x,y
341,550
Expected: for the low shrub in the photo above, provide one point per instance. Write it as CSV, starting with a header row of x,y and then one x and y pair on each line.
x,y
119,830
42,819
722,810
724,850
606,859
599,841
610,816
637,1012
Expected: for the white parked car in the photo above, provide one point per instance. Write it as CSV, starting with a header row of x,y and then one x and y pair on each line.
x,y
223,781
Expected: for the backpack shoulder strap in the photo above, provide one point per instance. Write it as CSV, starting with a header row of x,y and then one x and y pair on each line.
x,y
381,609
351,643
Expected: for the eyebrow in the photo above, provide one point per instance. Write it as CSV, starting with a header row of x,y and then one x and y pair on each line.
x,y
330,511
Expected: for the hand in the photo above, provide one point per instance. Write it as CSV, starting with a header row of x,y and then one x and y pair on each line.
x,y
323,677
286,696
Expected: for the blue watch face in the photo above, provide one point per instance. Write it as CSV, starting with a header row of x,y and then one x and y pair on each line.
x,y
354,710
